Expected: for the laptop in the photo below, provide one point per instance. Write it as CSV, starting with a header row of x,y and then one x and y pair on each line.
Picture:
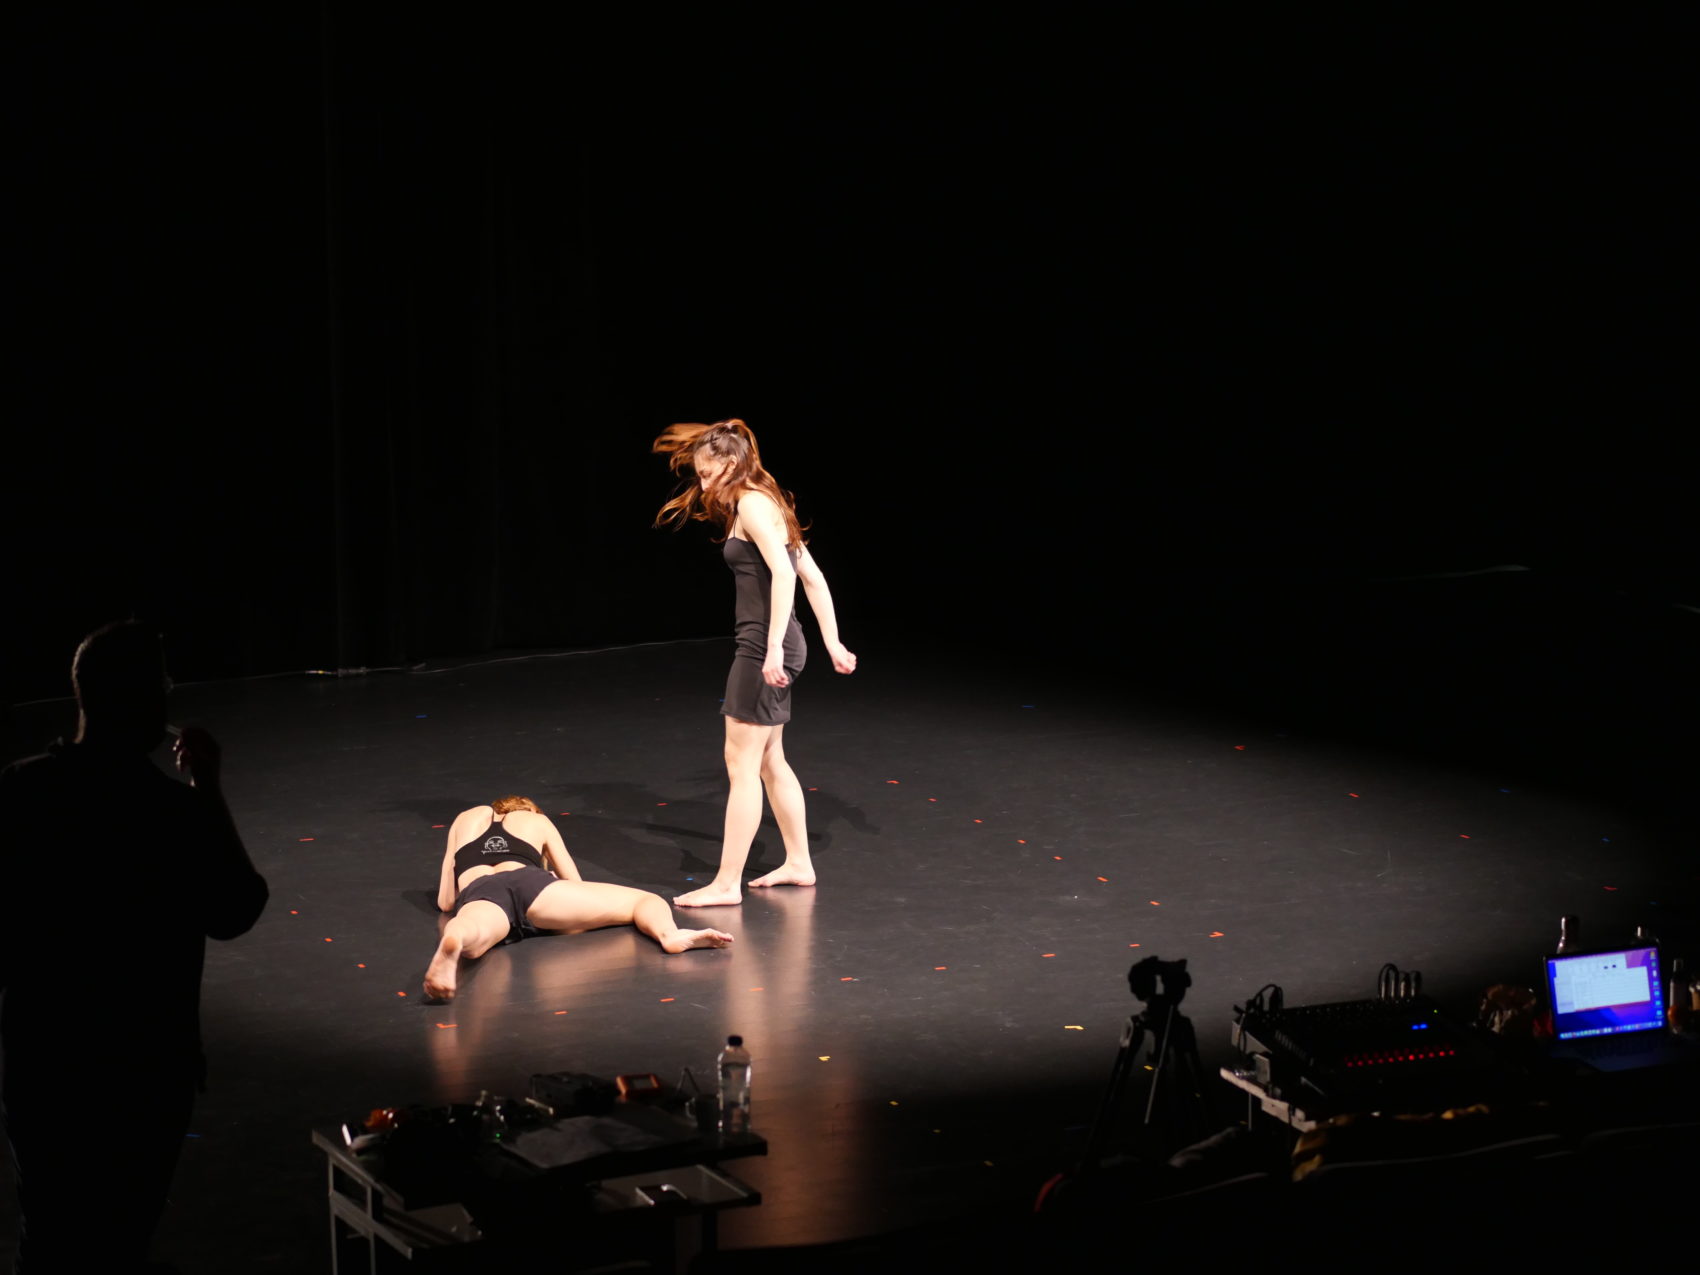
x,y
1608,1010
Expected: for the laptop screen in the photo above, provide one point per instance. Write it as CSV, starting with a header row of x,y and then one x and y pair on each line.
x,y
1604,993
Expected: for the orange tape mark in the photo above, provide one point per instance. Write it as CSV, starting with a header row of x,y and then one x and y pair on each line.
x,y
941,967
979,821
1351,794
1239,747
847,979
1021,841
1154,903
327,940
661,803
1057,857
665,999
1105,880
1133,945
401,993
293,912
362,964
445,1025
1215,934
1047,953
891,781
932,798
304,838
1464,836
439,825
559,1012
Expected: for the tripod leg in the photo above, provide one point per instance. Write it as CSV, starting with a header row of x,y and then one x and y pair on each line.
x,y
1157,1067
1133,1039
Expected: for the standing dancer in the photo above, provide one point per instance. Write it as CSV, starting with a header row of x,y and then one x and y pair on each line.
x,y
728,487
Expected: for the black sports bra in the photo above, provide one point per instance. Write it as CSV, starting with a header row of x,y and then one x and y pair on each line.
x,y
496,845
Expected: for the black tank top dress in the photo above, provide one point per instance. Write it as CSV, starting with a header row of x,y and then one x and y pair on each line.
x,y
748,697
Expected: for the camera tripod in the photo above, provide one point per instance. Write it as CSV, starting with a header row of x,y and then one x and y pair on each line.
x,y
1175,1110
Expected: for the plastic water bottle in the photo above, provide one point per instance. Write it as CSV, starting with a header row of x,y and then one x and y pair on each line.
x,y
734,1086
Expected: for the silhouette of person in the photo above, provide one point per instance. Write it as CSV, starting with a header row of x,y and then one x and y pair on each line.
x,y
114,876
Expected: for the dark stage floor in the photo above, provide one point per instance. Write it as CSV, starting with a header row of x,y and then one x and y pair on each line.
x,y
933,1025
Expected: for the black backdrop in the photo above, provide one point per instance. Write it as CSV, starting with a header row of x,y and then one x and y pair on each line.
x,y
346,330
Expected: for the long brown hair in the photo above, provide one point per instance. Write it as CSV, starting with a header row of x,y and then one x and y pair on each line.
x,y
730,441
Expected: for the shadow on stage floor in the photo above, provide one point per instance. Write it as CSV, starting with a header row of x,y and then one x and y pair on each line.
x,y
998,839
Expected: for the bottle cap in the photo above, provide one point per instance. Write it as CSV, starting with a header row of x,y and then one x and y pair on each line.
x,y
734,1040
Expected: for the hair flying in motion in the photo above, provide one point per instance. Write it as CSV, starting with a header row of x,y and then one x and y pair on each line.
x,y
732,442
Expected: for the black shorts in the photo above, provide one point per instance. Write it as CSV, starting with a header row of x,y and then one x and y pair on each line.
x,y
514,891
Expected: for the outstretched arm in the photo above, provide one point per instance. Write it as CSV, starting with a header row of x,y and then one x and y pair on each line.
x,y
460,832
820,602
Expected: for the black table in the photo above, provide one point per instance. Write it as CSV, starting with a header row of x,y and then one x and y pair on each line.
x,y
381,1217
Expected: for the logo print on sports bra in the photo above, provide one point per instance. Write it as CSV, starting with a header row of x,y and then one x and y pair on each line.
x,y
495,845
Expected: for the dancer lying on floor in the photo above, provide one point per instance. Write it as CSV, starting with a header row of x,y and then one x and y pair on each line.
x,y
507,876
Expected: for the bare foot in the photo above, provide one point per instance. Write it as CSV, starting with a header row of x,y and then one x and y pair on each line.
x,y
685,940
710,896
440,975
784,874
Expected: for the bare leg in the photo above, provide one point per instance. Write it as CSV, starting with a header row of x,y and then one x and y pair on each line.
x,y
785,796
745,744
478,927
572,907
653,917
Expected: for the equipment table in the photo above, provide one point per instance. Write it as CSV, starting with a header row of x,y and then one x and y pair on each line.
x,y
378,1225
